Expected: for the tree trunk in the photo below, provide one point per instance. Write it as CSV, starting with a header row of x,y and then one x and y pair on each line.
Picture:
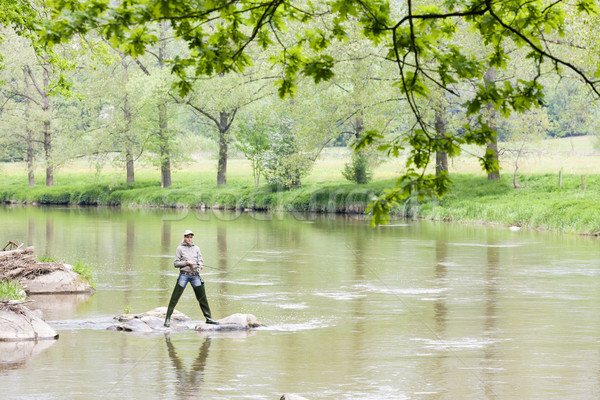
x,y
130,167
129,162
489,77
48,154
165,151
30,171
165,148
47,130
441,123
360,126
223,144
28,133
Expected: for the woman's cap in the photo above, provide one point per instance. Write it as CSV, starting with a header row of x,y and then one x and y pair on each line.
x,y
188,232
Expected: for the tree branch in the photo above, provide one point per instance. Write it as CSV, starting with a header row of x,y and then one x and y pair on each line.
x,y
543,53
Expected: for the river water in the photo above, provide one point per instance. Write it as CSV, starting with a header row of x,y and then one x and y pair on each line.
x,y
414,310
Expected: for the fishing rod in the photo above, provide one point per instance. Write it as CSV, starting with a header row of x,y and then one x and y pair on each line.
x,y
218,269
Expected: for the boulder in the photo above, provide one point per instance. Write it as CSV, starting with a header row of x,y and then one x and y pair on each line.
x,y
292,397
59,281
18,323
40,277
150,321
235,322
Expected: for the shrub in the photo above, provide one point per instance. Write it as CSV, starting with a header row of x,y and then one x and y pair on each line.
x,y
359,169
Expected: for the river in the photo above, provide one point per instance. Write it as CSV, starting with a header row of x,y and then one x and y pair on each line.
x,y
414,310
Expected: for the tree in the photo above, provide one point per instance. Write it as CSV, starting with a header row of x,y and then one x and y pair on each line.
x,y
113,107
34,78
284,163
220,99
412,31
252,140
521,129
20,16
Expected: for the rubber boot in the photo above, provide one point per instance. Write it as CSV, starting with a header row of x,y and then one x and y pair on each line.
x,y
177,291
203,301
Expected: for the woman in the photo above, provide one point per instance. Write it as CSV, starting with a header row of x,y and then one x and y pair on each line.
x,y
189,261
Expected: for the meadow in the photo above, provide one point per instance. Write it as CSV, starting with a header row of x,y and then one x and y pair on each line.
x,y
540,204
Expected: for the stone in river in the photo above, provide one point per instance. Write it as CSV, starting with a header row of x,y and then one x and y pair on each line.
x,y
22,266
150,321
18,322
292,397
235,322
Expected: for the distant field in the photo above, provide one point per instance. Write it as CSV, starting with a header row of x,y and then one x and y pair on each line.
x,y
573,155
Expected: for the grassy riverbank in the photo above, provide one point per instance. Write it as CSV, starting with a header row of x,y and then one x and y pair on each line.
x,y
540,204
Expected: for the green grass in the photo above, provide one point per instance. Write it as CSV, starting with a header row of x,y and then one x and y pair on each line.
x,y
11,290
540,204
47,258
81,267
86,271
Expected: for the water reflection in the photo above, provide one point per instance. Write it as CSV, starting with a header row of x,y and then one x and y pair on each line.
x,y
129,243
166,263
441,280
49,235
440,310
222,257
30,231
189,380
14,355
424,311
490,330
58,306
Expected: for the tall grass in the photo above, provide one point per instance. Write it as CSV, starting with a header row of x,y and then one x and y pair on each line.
x,y
11,290
86,271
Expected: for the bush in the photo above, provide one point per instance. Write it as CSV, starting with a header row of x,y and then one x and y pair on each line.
x,y
358,170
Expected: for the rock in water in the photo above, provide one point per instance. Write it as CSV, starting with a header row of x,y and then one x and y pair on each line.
x,y
17,323
292,397
150,321
40,277
235,322
60,281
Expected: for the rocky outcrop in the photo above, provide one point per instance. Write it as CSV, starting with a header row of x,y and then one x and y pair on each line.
x,y
18,323
60,281
40,277
151,321
235,322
